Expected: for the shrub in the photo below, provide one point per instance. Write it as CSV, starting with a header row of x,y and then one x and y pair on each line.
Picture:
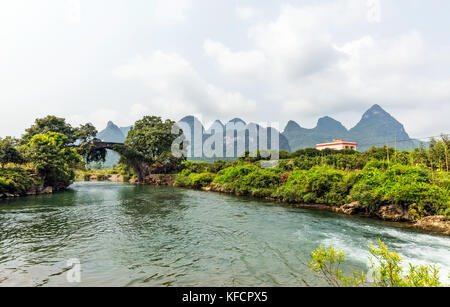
x,y
16,180
192,180
318,185
386,266
201,180
411,187
261,182
230,174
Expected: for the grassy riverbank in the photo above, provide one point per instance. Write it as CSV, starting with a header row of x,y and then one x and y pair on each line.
x,y
420,191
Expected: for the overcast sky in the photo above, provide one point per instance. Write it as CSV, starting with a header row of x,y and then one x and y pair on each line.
x,y
94,61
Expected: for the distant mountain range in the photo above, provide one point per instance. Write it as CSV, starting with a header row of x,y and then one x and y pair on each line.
x,y
376,128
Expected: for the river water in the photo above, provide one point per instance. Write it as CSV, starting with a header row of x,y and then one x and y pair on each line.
x,y
126,235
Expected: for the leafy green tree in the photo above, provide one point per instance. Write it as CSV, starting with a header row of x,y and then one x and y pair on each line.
x,y
80,138
149,142
50,124
438,153
52,160
9,152
386,267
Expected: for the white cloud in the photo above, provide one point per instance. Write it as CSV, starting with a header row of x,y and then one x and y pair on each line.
x,y
244,64
247,12
297,61
310,74
169,12
100,117
176,89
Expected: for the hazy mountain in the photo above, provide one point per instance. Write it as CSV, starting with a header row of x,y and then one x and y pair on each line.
x,y
112,133
230,138
376,128
125,130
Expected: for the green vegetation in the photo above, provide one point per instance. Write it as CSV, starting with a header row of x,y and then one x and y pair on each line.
x,y
16,180
148,147
47,155
193,180
53,162
377,177
386,267
51,151
9,152
320,185
412,187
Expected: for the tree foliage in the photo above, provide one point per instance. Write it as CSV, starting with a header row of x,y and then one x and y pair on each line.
x,y
52,161
386,267
148,144
9,152
79,138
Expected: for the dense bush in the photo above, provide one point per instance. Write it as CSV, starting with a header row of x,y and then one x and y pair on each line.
x,y
193,180
15,180
412,187
230,174
323,185
201,180
204,167
53,161
420,190
261,182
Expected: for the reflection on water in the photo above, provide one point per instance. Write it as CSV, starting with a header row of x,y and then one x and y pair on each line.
x,y
145,236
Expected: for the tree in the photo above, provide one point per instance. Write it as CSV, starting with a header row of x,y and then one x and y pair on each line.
x,y
9,152
53,162
80,138
149,142
50,124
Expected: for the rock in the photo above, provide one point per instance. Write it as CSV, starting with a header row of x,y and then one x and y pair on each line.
x,y
395,213
47,190
133,180
436,223
9,195
160,180
351,208
115,178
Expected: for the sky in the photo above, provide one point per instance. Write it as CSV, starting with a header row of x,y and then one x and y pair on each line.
x,y
263,61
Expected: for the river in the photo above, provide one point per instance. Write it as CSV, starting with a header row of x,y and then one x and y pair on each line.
x,y
126,235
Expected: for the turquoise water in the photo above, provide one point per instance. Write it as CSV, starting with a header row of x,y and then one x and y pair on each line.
x,y
126,235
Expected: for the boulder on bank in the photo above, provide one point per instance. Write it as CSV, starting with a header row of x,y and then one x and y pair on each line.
x,y
160,180
394,213
350,209
436,223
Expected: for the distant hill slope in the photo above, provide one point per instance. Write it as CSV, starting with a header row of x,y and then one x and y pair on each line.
x,y
112,133
376,128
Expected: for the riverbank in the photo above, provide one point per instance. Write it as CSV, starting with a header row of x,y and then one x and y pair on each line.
x,y
413,195
390,213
